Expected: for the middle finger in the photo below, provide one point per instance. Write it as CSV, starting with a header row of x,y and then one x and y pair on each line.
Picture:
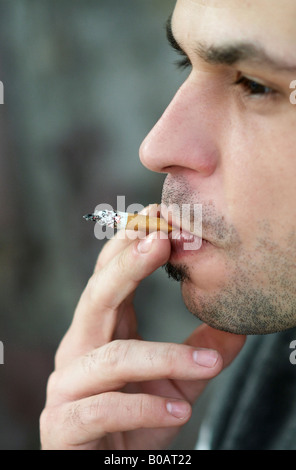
x,y
120,362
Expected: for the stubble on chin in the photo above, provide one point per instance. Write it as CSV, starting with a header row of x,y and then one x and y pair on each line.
x,y
258,297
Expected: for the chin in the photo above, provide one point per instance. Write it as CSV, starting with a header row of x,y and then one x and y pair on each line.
x,y
242,312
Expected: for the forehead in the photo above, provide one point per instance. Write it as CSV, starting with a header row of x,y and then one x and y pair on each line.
x,y
269,22
249,4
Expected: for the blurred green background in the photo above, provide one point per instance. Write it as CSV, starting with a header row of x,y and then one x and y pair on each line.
x,y
84,82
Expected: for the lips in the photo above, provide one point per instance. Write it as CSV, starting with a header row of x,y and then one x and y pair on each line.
x,y
187,218
182,226
185,241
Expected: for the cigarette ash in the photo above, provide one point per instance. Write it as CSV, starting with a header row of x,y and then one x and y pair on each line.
x,y
108,218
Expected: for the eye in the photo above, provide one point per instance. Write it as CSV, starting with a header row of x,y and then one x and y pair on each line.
x,y
254,88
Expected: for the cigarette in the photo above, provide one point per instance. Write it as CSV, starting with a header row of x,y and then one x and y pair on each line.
x,y
127,221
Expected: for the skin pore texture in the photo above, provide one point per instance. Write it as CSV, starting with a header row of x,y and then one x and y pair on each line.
x,y
227,141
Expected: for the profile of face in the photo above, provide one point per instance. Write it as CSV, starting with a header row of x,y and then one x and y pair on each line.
x,y
228,141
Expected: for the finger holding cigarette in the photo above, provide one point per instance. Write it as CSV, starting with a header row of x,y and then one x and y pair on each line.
x,y
123,238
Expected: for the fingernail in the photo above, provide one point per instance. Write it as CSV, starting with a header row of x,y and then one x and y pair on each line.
x,y
179,409
205,357
144,246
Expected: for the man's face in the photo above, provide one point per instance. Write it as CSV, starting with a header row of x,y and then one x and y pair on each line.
x,y
228,141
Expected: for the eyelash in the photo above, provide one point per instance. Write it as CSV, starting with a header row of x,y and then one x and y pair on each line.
x,y
183,63
247,84
254,88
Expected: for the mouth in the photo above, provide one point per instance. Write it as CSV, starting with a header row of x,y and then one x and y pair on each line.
x,y
188,240
185,242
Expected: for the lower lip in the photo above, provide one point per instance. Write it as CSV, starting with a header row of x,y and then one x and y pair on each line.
x,y
185,244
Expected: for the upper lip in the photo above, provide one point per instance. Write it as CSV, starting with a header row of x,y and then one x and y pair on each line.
x,y
179,227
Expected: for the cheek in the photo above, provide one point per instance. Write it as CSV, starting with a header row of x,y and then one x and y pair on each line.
x,y
259,181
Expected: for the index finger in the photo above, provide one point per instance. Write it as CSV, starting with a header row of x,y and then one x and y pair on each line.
x,y
104,299
119,242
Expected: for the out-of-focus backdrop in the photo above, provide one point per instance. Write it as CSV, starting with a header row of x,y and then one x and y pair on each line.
x,y
84,82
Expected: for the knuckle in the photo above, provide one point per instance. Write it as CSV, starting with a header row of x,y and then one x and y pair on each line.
x,y
108,356
56,390
73,416
58,358
89,361
171,357
114,353
122,260
52,383
48,419
64,351
75,423
66,426
82,416
47,422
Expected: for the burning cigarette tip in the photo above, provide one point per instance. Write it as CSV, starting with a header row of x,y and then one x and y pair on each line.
x,y
89,217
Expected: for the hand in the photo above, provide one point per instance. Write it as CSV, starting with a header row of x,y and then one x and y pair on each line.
x,y
112,390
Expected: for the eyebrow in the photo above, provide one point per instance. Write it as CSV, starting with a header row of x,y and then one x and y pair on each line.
x,y
230,54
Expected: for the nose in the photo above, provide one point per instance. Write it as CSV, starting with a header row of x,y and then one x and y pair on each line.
x,y
186,136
